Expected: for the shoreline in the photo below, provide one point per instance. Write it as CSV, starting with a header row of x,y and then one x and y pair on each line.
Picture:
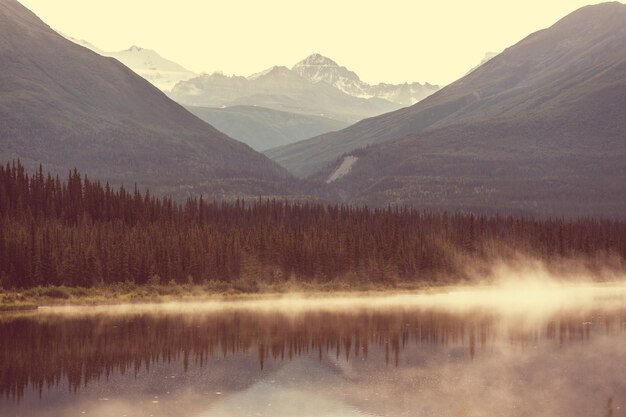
x,y
34,298
47,297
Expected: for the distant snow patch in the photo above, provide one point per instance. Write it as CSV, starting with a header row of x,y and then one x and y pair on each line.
x,y
345,167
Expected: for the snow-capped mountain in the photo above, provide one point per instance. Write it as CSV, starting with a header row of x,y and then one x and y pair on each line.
x,y
318,68
316,86
278,88
161,72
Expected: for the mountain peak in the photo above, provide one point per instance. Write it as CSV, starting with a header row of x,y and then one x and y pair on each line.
x,y
317,67
317,60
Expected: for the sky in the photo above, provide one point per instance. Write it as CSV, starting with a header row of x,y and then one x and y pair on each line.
x,y
392,41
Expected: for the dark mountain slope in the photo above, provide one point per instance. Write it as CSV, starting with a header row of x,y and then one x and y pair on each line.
x,y
64,106
539,129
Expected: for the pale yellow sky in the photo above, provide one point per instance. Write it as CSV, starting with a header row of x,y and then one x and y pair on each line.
x,y
391,41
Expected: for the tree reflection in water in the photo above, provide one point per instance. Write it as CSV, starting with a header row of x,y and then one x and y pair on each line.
x,y
40,351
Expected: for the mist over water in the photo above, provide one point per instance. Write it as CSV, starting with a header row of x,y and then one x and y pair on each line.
x,y
514,349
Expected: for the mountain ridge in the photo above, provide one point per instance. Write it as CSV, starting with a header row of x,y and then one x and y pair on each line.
x,y
317,67
316,86
276,88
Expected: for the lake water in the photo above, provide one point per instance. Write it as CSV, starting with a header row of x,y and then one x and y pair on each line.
x,y
519,351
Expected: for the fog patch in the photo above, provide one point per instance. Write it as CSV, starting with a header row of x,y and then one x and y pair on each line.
x,y
531,289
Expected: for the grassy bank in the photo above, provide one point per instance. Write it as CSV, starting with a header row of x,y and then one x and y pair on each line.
x,y
125,293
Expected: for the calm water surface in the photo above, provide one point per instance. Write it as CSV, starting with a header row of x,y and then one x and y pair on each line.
x,y
515,352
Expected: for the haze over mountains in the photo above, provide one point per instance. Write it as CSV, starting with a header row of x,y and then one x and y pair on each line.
x,y
263,128
165,74
538,129
315,86
278,88
284,110
64,106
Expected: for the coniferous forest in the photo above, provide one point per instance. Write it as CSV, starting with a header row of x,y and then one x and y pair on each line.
x,y
80,232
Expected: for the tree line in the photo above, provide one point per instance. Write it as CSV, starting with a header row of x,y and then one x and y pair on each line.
x,y
80,232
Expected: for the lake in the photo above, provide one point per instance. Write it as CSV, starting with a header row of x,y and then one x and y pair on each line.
x,y
521,350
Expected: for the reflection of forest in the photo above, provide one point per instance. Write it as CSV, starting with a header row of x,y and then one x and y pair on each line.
x,y
43,349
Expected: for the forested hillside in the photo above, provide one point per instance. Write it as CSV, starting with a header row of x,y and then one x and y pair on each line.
x,y
80,232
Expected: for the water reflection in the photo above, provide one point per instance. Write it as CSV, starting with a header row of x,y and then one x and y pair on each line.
x,y
403,360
